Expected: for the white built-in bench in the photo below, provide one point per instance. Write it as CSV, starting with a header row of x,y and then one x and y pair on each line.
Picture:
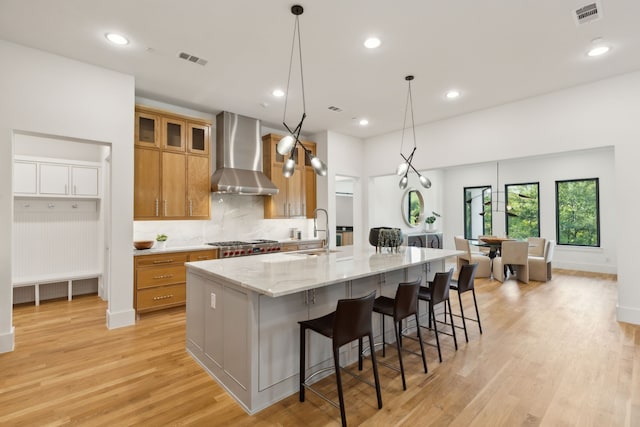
x,y
45,279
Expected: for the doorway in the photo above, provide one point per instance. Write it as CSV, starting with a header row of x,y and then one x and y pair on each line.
x,y
344,210
59,224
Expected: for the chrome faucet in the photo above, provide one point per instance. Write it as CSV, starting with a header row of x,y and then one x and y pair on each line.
x,y
326,226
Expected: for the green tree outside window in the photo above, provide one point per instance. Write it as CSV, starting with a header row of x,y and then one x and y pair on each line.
x,y
578,212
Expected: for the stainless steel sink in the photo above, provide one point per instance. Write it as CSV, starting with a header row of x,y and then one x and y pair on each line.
x,y
318,252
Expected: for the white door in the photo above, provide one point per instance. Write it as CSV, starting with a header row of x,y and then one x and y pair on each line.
x,y
54,179
25,177
84,181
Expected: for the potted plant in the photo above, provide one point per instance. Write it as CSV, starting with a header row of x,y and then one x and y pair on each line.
x,y
431,219
162,241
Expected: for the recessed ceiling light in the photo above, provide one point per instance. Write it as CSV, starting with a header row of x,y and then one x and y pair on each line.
x,y
278,93
117,39
598,50
372,43
453,94
364,122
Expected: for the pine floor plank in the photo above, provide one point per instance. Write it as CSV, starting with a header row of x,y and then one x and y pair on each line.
x,y
552,354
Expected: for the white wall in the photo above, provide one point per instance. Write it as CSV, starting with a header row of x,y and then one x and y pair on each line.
x,y
600,114
386,200
344,156
51,95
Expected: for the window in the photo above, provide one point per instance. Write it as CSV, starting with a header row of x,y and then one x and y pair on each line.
x,y
522,210
477,212
578,212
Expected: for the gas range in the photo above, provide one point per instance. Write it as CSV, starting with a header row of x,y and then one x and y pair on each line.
x,y
236,248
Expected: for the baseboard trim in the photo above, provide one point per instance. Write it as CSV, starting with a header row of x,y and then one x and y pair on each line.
x,y
592,268
7,341
628,315
121,319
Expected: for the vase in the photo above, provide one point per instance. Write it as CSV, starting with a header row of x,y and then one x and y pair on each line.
x,y
430,227
161,244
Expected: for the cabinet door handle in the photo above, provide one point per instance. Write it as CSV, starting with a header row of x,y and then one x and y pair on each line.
x,y
157,209
313,296
190,207
165,261
163,276
165,207
203,257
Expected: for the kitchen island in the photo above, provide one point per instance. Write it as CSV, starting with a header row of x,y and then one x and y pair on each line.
x,y
242,313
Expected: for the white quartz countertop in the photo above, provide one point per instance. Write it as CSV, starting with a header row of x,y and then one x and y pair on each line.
x,y
286,273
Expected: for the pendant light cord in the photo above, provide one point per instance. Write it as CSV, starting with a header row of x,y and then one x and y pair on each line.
x,y
408,104
296,32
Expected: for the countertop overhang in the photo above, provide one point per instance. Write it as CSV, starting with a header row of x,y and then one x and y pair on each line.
x,y
286,273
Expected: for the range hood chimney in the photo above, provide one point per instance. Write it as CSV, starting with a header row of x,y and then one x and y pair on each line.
x,y
239,157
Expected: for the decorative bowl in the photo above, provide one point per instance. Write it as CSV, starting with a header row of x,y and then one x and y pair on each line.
x,y
143,244
391,237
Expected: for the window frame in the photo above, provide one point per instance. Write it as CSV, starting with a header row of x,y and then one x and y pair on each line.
x,y
466,218
506,202
557,210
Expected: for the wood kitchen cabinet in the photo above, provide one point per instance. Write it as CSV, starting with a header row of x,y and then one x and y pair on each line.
x,y
297,194
174,185
198,187
173,134
160,279
147,197
147,129
172,175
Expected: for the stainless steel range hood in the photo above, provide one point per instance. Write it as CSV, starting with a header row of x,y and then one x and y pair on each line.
x,y
239,157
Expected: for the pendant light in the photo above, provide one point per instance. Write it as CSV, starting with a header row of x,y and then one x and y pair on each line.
x,y
289,143
404,167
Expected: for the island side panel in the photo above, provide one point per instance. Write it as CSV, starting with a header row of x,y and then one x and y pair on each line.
x,y
278,336
226,351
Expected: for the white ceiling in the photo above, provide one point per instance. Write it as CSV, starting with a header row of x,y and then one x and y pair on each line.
x,y
493,51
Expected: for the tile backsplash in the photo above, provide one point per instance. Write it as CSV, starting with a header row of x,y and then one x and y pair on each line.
x,y
233,217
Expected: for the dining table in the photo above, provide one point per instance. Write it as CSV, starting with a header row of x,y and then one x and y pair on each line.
x,y
493,243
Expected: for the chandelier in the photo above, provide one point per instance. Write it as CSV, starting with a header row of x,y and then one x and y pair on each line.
x,y
404,167
289,143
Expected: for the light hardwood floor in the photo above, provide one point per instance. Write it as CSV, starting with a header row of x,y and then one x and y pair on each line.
x,y
551,354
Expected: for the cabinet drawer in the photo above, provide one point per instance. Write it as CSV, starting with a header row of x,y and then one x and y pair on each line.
x,y
161,297
160,276
172,258
203,255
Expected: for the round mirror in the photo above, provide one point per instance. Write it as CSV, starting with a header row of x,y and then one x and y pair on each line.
x,y
413,208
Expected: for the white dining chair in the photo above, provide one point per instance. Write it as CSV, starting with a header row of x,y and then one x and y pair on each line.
x,y
483,261
515,254
540,266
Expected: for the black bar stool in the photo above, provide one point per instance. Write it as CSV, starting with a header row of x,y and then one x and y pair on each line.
x,y
436,293
465,283
349,322
404,305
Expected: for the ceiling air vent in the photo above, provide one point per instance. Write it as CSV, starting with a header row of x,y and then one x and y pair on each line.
x,y
336,109
588,13
192,58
